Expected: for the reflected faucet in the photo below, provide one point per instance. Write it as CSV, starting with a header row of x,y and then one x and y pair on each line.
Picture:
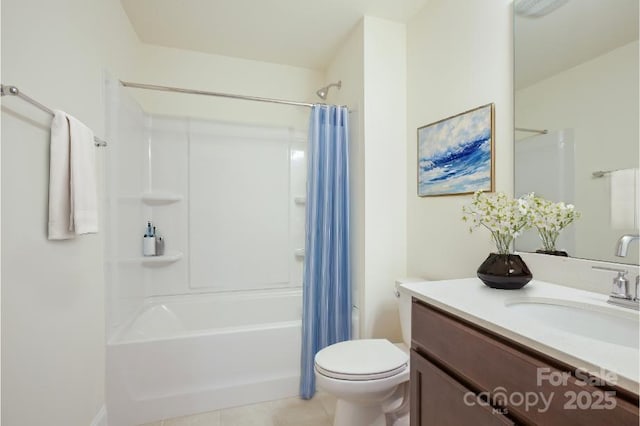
x,y
623,244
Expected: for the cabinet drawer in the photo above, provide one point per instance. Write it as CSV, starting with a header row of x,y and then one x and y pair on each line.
x,y
518,381
438,400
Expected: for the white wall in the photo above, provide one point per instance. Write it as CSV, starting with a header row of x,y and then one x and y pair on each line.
x,y
385,107
53,319
372,67
459,57
599,100
194,70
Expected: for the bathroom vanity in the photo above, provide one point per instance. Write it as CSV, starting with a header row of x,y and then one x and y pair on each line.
x,y
540,355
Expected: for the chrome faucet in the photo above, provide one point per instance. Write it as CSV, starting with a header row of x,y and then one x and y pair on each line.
x,y
620,294
623,244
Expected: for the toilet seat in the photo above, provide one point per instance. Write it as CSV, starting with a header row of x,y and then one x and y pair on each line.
x,y
359,360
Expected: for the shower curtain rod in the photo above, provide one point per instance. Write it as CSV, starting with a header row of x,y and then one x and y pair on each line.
x,y
202,92
14,91
522,129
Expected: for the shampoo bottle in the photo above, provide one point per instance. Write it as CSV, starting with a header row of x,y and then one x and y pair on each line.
x,y
149,242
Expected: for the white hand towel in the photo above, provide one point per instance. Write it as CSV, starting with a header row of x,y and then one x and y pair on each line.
x,y
59,175
72,181
624,199
83,197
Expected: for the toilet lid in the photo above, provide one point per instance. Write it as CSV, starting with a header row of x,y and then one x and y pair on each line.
x,y
366,359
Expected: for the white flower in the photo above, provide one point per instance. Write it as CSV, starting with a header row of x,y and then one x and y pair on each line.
x,y
550,218
503,216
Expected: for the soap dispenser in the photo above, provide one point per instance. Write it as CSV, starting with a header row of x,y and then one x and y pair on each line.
x,y
149,241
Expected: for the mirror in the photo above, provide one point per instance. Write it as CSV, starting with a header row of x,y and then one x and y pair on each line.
x,y
576,78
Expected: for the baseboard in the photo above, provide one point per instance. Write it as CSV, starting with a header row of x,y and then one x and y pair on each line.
x,y
101,418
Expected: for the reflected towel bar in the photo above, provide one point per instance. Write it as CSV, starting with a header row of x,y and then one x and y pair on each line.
x,y
14,91
522,129
603,173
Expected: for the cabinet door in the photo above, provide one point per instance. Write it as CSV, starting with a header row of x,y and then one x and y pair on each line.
x,y
439,400
516,380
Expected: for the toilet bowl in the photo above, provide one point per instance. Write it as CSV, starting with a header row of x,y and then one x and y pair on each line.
x,y
369,377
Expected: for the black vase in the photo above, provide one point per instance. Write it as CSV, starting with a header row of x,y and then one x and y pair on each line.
x,y
553,252
504,271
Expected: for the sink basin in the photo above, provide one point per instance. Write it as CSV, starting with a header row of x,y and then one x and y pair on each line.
x,y
596,322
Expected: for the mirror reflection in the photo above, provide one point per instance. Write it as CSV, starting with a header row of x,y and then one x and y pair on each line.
x,y
576,119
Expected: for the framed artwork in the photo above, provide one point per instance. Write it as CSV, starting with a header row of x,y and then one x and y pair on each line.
x,y
455,155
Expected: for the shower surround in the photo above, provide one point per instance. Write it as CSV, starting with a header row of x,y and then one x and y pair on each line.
x,y
183,328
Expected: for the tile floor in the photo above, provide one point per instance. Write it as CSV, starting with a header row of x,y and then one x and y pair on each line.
x,y
317,411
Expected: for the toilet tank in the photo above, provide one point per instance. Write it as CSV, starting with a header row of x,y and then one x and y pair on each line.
x,y
404,308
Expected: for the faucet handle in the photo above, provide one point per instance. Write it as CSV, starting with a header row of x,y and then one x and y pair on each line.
x,y
620,288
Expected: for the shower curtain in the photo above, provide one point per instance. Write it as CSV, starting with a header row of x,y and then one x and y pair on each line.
x,y
326,293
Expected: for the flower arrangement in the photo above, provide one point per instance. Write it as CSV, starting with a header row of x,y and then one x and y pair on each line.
x,y
502,215
550,218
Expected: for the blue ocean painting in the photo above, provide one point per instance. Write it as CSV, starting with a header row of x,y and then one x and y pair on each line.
x,y
454,155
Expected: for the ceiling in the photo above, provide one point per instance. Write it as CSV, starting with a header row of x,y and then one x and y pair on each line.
x,y
576,32
307,33
303,33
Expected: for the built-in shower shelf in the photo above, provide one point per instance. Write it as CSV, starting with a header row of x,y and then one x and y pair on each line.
x,y
165,259
160,198
171,256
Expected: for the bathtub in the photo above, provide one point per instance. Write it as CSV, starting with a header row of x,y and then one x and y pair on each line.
x,y
186,354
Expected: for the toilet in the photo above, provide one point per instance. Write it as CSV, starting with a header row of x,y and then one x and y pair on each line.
x,y
370,377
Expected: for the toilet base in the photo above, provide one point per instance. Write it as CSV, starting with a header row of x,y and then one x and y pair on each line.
x,y
350,414
392,411
402,421
356,414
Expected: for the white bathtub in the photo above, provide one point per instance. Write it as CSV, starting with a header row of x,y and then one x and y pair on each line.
x,y
187,354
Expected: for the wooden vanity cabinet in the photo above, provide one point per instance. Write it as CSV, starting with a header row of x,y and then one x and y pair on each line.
x,y
462,374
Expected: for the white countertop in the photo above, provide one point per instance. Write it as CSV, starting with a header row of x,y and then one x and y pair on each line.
x,y
470,299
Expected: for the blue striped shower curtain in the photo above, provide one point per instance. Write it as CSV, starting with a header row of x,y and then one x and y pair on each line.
x,y
326,291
